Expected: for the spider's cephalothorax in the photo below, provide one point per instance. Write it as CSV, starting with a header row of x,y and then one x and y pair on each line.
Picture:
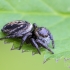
x,y
19,28
42,37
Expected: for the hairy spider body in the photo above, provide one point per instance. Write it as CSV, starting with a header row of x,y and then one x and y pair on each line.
x,y
37,36
16,29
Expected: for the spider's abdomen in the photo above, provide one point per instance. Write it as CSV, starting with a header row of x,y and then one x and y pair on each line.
x,y
17,27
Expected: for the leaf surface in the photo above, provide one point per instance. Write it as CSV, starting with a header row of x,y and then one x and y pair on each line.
x,y
52,14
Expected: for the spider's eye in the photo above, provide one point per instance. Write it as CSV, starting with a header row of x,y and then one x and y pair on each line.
x,y
41,31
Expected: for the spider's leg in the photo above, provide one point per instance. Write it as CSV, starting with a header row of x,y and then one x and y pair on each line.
x,y
7,37
34,25
33,42
51,37
45,46
13,48
24,39
27,41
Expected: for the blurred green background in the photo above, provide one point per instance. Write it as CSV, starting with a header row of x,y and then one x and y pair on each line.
x,y
52,14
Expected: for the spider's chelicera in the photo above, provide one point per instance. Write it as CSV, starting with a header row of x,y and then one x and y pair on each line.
x,y
37,36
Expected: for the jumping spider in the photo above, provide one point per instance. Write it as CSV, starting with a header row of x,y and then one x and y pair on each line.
x,y
37,36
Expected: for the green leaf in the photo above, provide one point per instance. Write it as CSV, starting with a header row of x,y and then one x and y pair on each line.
x,y
52,14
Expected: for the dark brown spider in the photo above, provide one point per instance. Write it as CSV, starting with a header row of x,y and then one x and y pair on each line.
x,y
37,36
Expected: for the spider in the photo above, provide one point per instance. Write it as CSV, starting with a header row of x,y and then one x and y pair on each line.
x,y
37,36
41,37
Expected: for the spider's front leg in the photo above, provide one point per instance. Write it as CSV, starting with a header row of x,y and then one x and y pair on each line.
x,y
33,42
24,39
51,37
44,45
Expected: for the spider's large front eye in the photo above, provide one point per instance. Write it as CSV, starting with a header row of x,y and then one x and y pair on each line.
x,y
41,31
